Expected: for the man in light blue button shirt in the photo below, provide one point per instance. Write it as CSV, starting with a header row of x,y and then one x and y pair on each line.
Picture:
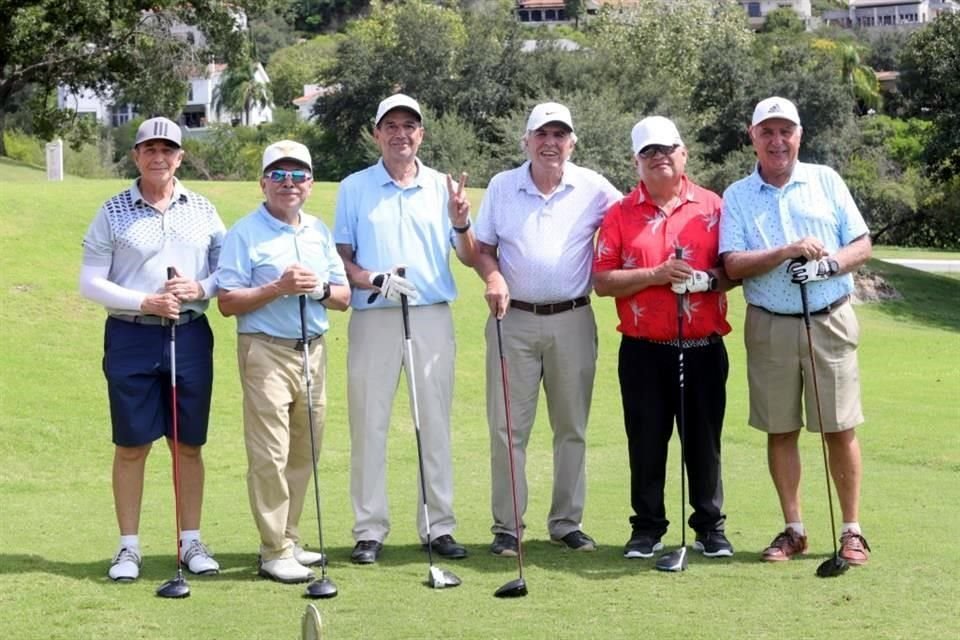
x,y
272,258
396,213
788,223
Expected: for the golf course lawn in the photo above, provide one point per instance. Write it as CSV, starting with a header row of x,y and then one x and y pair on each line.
x,y
57,527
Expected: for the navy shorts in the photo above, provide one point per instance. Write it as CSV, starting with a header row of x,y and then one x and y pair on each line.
x,y
136,363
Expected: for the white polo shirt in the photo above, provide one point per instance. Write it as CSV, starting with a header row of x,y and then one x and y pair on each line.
x,y
545,242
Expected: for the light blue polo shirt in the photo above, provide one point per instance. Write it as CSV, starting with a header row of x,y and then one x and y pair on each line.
x,y
258,249
389,225
815,202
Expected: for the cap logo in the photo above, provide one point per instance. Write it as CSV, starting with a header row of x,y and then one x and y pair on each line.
x,y
774,109
160,129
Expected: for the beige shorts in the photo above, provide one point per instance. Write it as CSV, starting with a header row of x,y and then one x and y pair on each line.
x,y
779,370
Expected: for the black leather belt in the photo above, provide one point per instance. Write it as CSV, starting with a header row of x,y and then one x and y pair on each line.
x,y
185,317
827,310
293,343
550,308
688,343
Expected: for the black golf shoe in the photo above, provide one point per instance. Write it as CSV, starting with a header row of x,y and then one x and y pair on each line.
x,y
641,546
447,547
576,541
366,552
504,544
713,544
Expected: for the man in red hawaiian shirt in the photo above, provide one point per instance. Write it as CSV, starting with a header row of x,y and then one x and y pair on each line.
x,y
635,262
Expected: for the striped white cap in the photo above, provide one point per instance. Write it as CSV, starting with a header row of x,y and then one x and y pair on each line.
x,y
158,129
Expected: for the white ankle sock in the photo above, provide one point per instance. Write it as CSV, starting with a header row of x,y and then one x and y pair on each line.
x,y
852,527
798,527
189,535
130,542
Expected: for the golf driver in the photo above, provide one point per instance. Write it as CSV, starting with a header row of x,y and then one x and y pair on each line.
x,y
835,565
311,627
437,578
177,586
515,588
677,560
324,587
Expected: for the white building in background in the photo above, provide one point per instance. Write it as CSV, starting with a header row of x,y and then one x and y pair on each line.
x,y
757,10
868,14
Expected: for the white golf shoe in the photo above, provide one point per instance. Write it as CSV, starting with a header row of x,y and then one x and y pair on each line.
x,y
308,558
195,556
126,565
285,570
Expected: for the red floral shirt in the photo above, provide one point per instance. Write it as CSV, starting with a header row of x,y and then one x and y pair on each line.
x,y
636,233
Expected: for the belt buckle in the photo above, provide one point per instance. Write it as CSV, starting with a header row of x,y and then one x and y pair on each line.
x,y
300,344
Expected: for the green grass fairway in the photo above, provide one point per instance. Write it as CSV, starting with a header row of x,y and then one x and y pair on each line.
x,y
58,531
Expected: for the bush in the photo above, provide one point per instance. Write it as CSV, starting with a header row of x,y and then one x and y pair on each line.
x,y
24,148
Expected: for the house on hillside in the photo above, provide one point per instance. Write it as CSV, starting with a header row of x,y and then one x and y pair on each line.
x,y
552,11
757,10
868,14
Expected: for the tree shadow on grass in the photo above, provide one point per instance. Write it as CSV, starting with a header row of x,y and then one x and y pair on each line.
x,y
928,298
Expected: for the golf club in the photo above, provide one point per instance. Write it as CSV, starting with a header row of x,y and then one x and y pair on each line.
x,y
835,565
515,588
437,578
177,586
311,627
677,560
324,587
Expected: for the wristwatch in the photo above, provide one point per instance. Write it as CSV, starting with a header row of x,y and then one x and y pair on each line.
x,y
713,283
463,229
833,266
326,292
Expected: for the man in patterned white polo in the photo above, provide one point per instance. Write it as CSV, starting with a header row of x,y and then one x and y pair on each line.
x,y
134,239
788,223
535,232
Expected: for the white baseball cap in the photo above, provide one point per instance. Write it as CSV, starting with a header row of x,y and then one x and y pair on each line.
x,y
548,112
654,130
775,107
397,101
286,150
159,129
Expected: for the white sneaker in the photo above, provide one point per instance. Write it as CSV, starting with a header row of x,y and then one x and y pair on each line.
x,y
126,565
308,558
286,570
197,558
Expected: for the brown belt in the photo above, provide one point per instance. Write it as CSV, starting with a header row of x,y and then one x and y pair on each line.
x,y
550,308
293,343
827,310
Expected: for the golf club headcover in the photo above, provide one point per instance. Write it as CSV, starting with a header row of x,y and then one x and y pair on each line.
x,y
802,270
698,282
392,286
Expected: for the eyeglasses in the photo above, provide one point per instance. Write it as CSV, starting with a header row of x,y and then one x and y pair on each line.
x,y
651,150
279,176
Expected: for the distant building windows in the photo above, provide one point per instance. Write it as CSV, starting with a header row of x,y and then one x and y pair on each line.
x,y
753,9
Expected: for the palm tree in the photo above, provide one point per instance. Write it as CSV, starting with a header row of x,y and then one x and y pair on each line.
x,y
861,79
241,91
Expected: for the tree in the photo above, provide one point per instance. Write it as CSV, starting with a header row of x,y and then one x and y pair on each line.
x,y
122,46
303,63
783,20
930,66
240,91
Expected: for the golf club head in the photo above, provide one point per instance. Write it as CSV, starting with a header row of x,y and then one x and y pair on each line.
x,y
311,628
174,588
673,561
322,588
832,567
440,579
513,589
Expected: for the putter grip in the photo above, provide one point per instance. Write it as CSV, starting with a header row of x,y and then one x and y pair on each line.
x,y
678,253
404,306
171,273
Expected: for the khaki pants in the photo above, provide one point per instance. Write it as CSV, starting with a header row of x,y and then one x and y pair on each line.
x,y
561,351
277,435
374,362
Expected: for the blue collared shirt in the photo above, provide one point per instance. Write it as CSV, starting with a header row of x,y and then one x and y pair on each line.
x,y
815,202
257,250
389,225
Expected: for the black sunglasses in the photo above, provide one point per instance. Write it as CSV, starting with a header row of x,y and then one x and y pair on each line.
x,y
651,150
279,175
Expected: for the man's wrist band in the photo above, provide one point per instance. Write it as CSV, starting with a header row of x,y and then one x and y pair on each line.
x,y
463,229
326,292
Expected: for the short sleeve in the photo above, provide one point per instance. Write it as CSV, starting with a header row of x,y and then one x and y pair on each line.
x,y
345,217
731,229
485,229
234,268
608,252
98,241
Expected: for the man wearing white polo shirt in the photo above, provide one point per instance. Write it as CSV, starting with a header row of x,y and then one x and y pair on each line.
x,y
535,232
788,223
271,258
137,235
400,213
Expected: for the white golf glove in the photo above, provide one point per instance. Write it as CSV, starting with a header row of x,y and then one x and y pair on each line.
x,y
802,270
698,282
392,286
321,292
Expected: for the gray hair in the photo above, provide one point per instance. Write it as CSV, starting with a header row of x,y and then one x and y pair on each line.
x,y
526,136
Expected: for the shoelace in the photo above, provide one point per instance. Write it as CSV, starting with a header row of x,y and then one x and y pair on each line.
x,y
854,540
196,549
786,539
127,555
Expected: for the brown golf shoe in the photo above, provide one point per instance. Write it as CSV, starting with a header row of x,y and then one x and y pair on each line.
x,y
854,548
787,544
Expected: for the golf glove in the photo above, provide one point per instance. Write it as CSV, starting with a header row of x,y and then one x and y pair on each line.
x,y
698,282
802,270
392,286
321,292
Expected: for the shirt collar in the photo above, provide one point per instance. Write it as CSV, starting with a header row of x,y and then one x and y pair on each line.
x,y
800,174
383,177
687,192
179,193
306,221
527,185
